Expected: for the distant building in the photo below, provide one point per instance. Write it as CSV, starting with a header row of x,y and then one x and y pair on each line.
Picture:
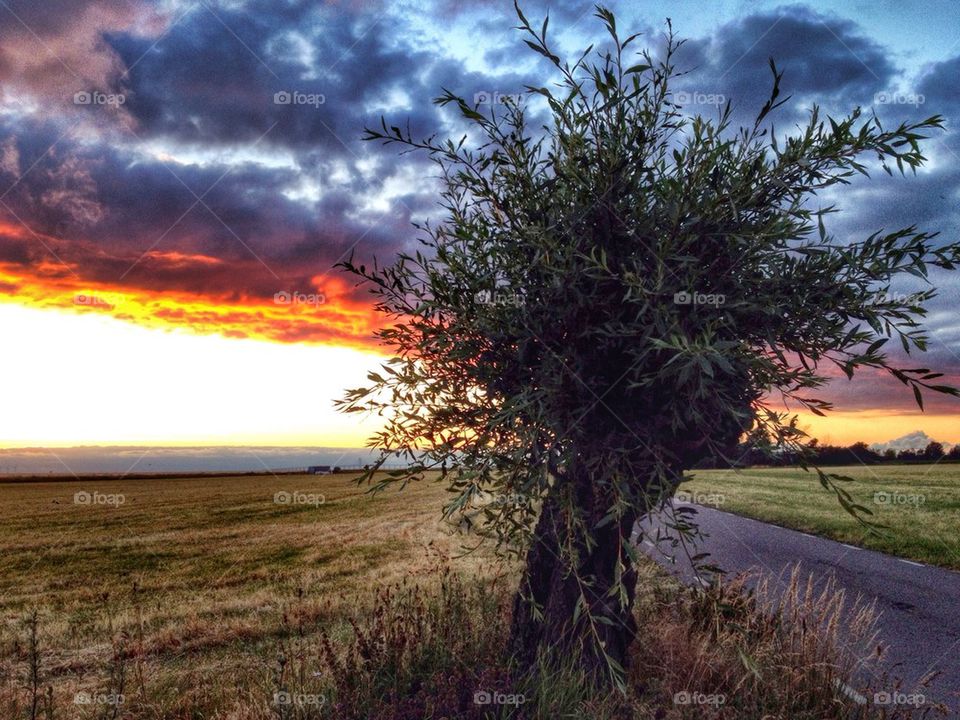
x,y
319,470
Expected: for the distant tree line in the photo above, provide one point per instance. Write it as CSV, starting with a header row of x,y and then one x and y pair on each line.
x,y
751,452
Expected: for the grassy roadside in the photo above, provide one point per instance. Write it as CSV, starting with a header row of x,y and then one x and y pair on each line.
x,y
919,504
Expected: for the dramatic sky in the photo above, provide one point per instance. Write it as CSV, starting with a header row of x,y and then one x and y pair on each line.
x,y
178,179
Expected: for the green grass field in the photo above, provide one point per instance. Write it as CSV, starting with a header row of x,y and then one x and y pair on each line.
x,y
919,504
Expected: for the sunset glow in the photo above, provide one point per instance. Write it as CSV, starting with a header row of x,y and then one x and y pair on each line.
x,y
178,182
90,379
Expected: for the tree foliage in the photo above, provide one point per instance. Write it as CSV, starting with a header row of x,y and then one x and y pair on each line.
x,y
616,293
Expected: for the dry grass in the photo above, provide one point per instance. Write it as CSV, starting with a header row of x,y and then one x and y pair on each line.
x,y
203,598
196,580
757,653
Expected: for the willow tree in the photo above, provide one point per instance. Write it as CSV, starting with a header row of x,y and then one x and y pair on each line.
x,y
610,296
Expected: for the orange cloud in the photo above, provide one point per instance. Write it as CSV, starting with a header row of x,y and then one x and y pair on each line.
x,y
182,259
319,315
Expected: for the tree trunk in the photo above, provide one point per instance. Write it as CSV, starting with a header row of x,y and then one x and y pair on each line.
x,y
545,617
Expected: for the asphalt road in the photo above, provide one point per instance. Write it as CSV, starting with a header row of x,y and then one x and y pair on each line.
x,y
918,605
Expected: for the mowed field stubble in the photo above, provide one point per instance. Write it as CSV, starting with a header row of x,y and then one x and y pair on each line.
x,y
201,598
919,505
205,575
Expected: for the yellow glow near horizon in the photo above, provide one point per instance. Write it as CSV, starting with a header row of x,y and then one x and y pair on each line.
x,y
94,380
846,428
91,379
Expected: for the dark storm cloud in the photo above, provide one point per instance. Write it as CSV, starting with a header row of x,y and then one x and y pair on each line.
x,y
216,75
305,77
206,81
209,81
824,59
940,86
831,62
121,218
201,79
929,201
